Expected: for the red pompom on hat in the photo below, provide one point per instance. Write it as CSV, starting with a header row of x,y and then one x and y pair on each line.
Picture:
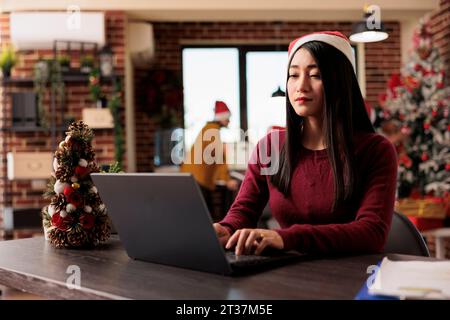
x,y
333,38
221,111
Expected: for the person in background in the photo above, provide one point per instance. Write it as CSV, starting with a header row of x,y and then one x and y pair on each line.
x,y
206,160
331,180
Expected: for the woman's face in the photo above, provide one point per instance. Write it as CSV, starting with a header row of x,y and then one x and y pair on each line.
x,y
304,85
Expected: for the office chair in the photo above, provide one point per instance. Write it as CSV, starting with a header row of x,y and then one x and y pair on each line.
x,y
404,238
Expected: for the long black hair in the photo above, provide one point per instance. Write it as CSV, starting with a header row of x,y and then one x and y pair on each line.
x,y
344,114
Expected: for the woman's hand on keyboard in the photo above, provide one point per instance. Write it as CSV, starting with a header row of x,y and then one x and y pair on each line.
x,y
254,241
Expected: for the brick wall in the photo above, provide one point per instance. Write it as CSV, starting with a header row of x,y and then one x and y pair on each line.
x,y
381,58
440,27
20,194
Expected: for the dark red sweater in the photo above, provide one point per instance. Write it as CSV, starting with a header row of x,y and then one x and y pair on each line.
x,y
307,221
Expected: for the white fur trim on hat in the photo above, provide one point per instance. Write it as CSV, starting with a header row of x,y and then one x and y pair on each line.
x,y
222,116
338,42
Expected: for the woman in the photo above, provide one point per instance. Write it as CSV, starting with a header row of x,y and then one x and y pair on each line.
x,y
333,187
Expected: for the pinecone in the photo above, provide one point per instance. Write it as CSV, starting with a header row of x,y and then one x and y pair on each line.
x,y
47,220
64,173
93,167
59,152
77,146
80,131
89,154
91,199
77,237
59,201
58,238
102,229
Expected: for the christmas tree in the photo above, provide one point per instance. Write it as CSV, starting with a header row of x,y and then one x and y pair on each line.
x,y
414,114
76,216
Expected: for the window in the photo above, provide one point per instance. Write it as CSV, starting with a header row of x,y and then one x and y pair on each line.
x,y
266,71
210,74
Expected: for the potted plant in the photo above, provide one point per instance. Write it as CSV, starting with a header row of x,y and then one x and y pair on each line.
x,y
64,62
86,63
7,60
94,86
42,71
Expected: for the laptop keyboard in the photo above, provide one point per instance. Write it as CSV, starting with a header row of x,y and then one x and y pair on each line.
x,y
246,260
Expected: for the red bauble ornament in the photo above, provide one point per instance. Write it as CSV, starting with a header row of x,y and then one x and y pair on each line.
x,y
434,113
382,97
81,171
60,223
68,191
447,167
75,199
424,156
93,80
394,81
87,221
405,130
426,126
407,162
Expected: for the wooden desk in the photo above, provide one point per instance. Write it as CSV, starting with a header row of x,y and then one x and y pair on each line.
x,y
33,265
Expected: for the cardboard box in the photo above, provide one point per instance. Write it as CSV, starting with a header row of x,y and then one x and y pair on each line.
x,y
98,118
29,165
422,208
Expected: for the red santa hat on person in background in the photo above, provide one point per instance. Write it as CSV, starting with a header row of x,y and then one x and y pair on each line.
x,y
333,38
221,111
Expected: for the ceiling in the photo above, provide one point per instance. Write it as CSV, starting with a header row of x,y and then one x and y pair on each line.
x,y
237,10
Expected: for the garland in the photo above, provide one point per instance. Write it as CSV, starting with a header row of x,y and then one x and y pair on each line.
x,y
45,72
114,106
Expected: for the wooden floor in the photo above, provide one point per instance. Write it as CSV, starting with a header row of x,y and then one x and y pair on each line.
x,y
12,294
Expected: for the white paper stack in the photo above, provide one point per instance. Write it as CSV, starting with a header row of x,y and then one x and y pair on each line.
x,y
413,279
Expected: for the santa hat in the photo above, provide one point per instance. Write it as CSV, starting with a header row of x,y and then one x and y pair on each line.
x,y
221,111
333,38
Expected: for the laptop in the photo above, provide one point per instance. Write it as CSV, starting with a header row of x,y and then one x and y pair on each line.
x,y
163,218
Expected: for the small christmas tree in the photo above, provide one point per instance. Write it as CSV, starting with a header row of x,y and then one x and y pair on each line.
x,y
75,217
414,113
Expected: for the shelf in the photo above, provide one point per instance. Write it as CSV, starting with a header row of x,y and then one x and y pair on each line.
x,y
83,78
74,78
17,81
33,129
